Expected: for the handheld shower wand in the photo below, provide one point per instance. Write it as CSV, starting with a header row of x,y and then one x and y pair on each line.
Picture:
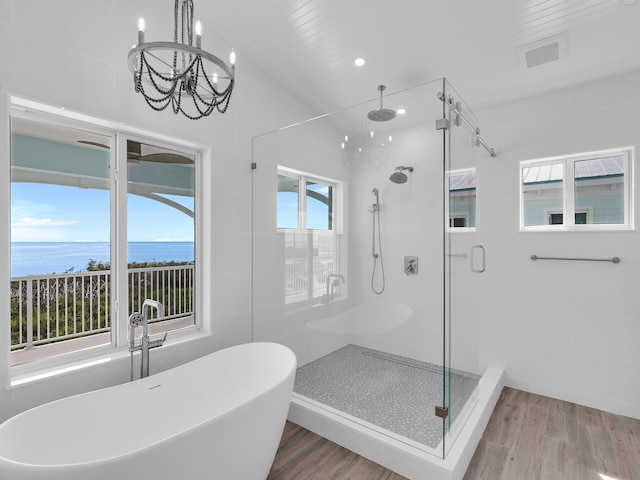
x,y
375,210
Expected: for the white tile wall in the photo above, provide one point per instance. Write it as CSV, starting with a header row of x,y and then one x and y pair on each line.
x,y
565,329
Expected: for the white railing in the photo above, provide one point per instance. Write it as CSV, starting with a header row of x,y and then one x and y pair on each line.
x,y
300,279
56,307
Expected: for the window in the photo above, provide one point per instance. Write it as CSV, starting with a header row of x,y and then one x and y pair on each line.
x,y
306,214
75,240
577,192
462,199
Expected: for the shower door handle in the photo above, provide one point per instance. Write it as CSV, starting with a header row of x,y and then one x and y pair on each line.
x,y
483,256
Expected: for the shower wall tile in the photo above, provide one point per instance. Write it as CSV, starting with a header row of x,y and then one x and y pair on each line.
x,y
605,378
24,78
529,110
601,94
6,12
264,321
621,341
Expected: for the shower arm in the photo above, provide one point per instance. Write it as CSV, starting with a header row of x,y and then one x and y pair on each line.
x,y
475,131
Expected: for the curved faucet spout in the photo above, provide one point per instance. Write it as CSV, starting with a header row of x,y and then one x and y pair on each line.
x,y
331,285
146,344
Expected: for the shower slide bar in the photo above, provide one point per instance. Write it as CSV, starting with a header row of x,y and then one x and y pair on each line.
x,y
612,260
476,131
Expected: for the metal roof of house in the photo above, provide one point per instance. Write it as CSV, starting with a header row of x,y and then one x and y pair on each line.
x,y
584,169
465,181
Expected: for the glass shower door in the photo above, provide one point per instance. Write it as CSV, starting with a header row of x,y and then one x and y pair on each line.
x,y
464,263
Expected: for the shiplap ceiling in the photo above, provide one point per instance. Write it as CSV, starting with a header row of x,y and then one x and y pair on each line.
x,y
310,45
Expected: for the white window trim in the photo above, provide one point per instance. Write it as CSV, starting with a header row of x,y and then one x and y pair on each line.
x,y
568,185
118,348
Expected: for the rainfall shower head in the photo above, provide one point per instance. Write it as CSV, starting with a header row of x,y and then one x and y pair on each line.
x,y
381,114
398,176
374,192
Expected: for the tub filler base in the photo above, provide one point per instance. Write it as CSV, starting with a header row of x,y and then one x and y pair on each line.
x,y
403,457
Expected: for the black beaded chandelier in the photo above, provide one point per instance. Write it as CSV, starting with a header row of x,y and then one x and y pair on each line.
x,y
179,74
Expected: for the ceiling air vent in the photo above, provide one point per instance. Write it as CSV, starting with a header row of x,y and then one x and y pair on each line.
x,y
544,51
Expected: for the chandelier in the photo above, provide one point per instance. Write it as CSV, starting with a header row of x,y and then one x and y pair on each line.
x,y
191,80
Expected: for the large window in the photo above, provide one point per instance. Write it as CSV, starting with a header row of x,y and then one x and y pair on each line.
x,y
306,210
93,233
577,192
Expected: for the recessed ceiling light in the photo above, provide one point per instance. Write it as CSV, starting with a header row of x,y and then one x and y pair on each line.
x,y
401,111
360,62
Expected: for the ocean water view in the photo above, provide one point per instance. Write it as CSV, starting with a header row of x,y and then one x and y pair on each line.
x,y
39,258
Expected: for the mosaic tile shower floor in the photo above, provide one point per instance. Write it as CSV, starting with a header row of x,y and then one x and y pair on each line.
x,y
393,392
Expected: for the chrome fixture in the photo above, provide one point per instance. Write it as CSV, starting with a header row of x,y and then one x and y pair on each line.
x,y
142,319
411,265
381,114
398,176
456,109
375,207
331,285
191,80
375,210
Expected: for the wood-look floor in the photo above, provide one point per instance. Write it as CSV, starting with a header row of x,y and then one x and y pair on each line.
x,y
529,437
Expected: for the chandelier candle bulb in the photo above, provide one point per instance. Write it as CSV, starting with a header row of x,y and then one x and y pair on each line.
x,y
141,26
198,34
232,58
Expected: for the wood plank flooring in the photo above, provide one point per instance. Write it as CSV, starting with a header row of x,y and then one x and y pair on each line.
x,y
529,437
303,455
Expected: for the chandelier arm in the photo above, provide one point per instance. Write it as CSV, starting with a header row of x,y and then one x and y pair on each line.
x,y
148,47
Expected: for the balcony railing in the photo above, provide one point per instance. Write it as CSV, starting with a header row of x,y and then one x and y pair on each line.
x,y
306,279
52,308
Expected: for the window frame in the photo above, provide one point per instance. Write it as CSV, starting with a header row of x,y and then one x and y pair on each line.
x,y
303,299
303,178
118,134
568,192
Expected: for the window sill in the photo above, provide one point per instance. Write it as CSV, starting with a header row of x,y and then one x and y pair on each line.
x,y
588,229
46,369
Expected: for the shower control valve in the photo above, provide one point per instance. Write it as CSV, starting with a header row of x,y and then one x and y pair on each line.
x,y
411,265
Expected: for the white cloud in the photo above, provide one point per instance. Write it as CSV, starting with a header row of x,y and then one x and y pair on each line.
x,y
41,222
167,239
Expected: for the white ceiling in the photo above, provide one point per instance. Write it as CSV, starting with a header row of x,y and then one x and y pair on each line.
x,y
310,45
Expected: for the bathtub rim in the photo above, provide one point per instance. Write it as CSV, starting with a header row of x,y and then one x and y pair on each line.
x,y
289,376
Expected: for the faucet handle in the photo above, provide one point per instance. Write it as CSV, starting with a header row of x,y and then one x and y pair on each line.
x,y
158,341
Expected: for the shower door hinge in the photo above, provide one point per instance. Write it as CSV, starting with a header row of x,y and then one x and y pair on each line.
x,y
442,124
442,412
254,165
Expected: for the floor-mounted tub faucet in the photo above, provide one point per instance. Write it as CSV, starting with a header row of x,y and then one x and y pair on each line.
x,y
135,320
331,285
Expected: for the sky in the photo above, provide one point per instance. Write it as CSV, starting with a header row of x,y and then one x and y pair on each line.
x,y
317,212
54,213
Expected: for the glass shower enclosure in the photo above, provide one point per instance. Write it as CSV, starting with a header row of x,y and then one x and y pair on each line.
x,y
366,261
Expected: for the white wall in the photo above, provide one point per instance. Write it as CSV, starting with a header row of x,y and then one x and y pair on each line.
x,y
73,54
570,330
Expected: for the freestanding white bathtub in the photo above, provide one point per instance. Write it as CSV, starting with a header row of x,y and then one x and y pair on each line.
x,y
219,417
